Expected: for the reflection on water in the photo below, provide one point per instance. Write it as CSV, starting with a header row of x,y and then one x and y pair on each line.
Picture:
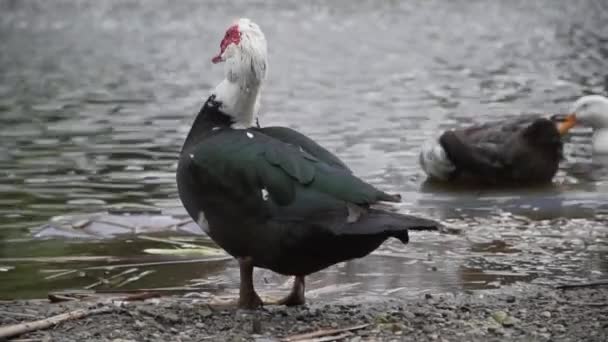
x,y
97,97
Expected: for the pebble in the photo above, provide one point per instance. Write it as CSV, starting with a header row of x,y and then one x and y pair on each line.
x,y
499,316
559,328
171,318
409,315
428,328
205,313
546,314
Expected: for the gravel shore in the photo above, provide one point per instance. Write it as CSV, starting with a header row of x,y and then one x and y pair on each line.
x,y
520,313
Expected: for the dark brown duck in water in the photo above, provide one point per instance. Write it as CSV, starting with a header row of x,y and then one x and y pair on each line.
x,y
271,197
523,150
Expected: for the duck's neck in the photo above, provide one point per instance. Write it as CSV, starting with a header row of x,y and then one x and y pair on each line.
x,y
239,99
231,105
599,141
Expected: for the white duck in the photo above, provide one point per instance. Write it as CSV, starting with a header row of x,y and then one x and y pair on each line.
x,y
590,111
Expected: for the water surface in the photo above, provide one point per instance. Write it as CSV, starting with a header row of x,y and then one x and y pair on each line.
x,y
97,97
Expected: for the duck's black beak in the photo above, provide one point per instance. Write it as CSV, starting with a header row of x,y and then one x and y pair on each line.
x,y
564,122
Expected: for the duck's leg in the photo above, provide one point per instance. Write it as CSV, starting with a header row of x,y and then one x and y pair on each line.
x,y
248,298
296,296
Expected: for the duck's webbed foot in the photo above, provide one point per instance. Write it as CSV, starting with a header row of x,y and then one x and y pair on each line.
x,y
296,296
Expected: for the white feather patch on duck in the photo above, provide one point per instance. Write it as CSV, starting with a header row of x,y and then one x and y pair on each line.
x,y
202,222
354,212
434,161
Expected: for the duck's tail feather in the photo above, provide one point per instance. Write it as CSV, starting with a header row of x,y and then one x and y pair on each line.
x,y
391,224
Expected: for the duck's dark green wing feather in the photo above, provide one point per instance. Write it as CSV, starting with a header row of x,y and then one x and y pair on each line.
x,y
289,136
254,161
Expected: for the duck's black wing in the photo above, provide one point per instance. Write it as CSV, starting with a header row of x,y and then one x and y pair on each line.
x,y
484,150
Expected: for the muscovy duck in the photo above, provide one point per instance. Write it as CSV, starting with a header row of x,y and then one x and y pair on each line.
x,y
522,150
271,197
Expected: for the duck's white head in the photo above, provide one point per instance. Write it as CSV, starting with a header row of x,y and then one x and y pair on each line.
x,y
590,111
244,52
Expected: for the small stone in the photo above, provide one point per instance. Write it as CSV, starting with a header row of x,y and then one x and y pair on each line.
x,y
433,336
559,328
199,325
546,314
508,322
409,315
171,318
499,316
428,328
449,314
334,325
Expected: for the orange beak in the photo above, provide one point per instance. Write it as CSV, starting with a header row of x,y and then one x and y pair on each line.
x,y
569,121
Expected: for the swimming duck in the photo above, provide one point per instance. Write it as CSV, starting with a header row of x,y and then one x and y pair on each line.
x,y
272,197
590,111
521,150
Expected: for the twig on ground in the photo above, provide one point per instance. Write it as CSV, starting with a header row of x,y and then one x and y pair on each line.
x,y
22,328
586,284
141,296
331,338
159,290
58,298
17,314
322,333
599,304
